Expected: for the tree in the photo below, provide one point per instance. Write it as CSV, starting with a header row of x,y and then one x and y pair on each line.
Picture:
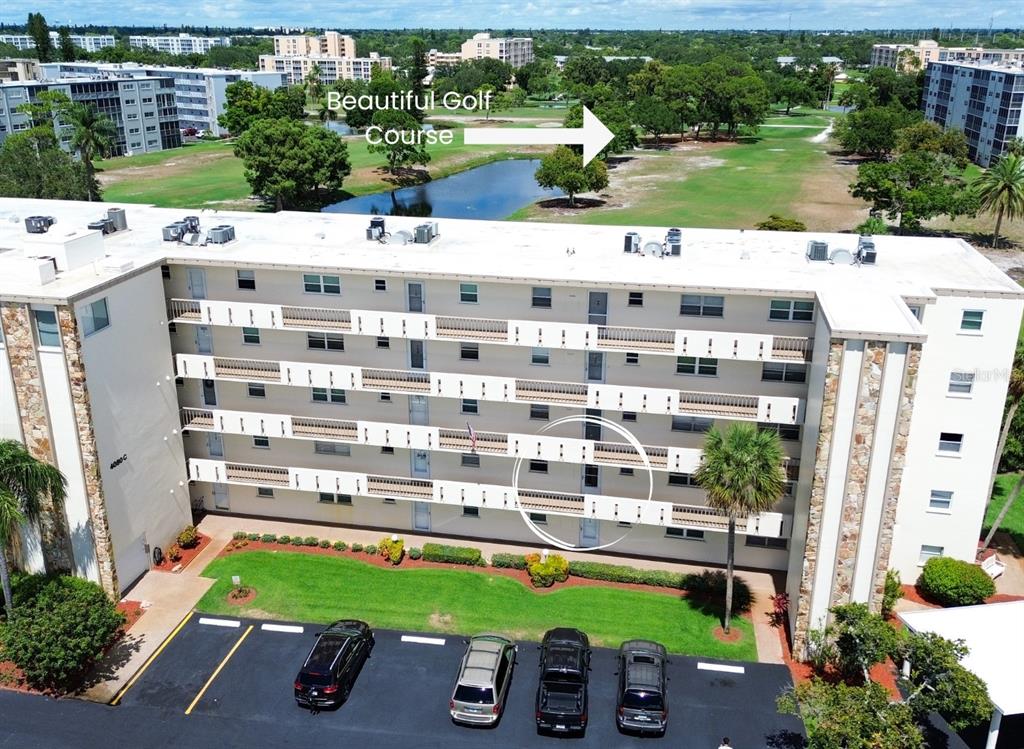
x,y
615,117
407,148
775,222
742,474
872,131
794,92
417,73
67,47
1000,190
25,483
840,716
861,639
654,116
563,168
1014,396
292,164
39,30
92,134
313,85
32,165
927,136
244,103
1014,493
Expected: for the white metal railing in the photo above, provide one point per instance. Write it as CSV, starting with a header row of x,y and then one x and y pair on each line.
x,y
316,317
459,439
545,391
402,487
698,515
247,369
557,502
639,338
718,404
255,474
616,452
395,379
335,428
792,348
472,327
196,418
185,310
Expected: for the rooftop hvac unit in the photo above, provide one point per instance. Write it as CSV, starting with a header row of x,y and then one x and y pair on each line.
x,y
817,251
423,234
117,215
104,225
435,230
653,248
400,237
174,232
674,241
39,224
377,222
842,257
221,234
375,231
866,252
191,224
632,242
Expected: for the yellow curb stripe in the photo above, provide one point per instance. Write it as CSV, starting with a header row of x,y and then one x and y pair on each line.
x,y
218,670
149,661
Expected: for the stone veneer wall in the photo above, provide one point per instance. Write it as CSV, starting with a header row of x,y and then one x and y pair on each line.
x,y
817,498
896,464
35,425
104,547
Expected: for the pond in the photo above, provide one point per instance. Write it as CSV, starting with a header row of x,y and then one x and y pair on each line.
x,y
489,192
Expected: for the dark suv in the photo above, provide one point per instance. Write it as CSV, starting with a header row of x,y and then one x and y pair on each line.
x,y
564,672
330,669
642,705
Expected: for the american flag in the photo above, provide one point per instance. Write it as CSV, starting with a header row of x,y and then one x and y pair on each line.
x,y
472,437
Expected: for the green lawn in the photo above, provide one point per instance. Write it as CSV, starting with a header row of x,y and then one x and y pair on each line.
x,y
312,588
1013,523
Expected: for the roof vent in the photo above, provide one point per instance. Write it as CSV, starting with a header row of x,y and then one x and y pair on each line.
x,y
866,252
39,224
220,234
632,242
817,251
842,257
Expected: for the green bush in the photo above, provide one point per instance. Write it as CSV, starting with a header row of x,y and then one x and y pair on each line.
x,y
393,551
188,538
508,561
268,538
238,535
621,573
252,536
453,554
357,547
54,637
285,539
546,572
298,541
310,541
371,549
325,544
415,552
340,546
892,592
953,582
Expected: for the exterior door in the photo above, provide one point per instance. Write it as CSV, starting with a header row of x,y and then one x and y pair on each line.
x,y
421,464
215,444
197,283
220,496
421,516
592,431
418,410
590,532
209,393
204,339
414,296
597,311
595,366
417,355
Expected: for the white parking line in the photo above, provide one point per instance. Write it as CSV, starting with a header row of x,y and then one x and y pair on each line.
x,y
719,667
220,622
423,640
293,629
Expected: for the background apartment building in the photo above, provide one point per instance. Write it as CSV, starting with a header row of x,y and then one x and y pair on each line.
x,y
180,44
290,366
516,51
329,44
18,69
903,56
199,93
985,101
88,42
141,108
296,68
436,58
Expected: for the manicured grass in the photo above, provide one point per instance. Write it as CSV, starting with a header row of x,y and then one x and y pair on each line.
x,y
313,588
1013,523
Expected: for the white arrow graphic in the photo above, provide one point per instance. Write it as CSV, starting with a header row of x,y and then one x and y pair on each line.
x,y
593,136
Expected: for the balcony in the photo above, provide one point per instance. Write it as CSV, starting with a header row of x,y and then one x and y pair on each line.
x,y
262,475
472,327
555,502
718,404
391,486
247,369
316,317
542,391
185,310
792,348
643,339
396,379
196,418
698,516
331,429
486,442
616,453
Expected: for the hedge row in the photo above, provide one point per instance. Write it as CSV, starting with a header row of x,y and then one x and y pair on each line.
x,y
509,561
454,555
620,573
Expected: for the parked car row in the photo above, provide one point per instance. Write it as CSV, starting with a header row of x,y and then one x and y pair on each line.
x,y
485,676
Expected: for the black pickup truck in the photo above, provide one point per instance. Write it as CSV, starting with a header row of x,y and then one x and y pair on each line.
x,y
562,692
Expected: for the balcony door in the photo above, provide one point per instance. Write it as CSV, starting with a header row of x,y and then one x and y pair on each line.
x,y
418,410
197,283
595,366
209,393
421,464
597,310
421,516
220,497
204,339
414,296
215,444
590,532
592,430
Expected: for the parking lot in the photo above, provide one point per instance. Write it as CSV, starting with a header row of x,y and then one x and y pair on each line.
x,y
242,670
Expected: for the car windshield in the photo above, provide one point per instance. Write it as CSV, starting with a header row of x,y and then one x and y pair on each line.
x,y
642,700
566,677
476,695
314,679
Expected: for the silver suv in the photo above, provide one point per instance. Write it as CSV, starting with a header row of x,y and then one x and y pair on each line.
x,y
483,681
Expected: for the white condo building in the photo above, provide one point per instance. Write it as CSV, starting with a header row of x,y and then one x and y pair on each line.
x,y
516,51
88,42
180,44
297,366
295,68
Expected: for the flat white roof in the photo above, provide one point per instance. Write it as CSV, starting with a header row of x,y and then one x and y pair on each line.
x,y
993,634
853,298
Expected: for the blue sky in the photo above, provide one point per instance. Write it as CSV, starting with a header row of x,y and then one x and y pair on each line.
x,y
669,14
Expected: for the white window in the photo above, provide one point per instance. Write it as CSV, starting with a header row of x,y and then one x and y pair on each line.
x,y
315,283
251,336
470,512
470,460
325,341
539,518
690,424
791,310
469,351
699,305
332,448
95,316
633,358
338,499
470,406
636,299
940,499
263,443
384,397
688,534
540,411
328,395
246,280
629,415
380,284
972,319
257,390
383,341
961,383
950,442
265,491
765,542
783,372
540,356
541,297
928,552
538,466
387,450
469,293
46,327
692,365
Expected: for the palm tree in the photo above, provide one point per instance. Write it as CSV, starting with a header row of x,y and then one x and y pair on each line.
x,y
326,113
93,134
1001,190
24,482
1014,396
314,87
742,473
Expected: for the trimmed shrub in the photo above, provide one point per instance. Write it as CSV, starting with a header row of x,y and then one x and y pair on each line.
x,y
621,573
252,536
188,538
953,582
310,541
340,546
174,553
325,544
371,549
238,535
285,539
415,552
892,592
268,538
508,561
357,547
55,637
546,572
453,554
298,541
393,551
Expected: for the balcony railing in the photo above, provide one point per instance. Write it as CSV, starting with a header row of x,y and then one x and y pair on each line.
x,y
792,348
718,404
185,310
551,392
616,452
699,516
636,338
268,475
472,327
396,379
391,486
538,501
196,418
247,369
316,317
486,442
326,428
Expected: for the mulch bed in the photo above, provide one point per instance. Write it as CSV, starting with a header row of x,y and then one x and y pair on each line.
x,y
132,611
187,555
242,600
912,593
